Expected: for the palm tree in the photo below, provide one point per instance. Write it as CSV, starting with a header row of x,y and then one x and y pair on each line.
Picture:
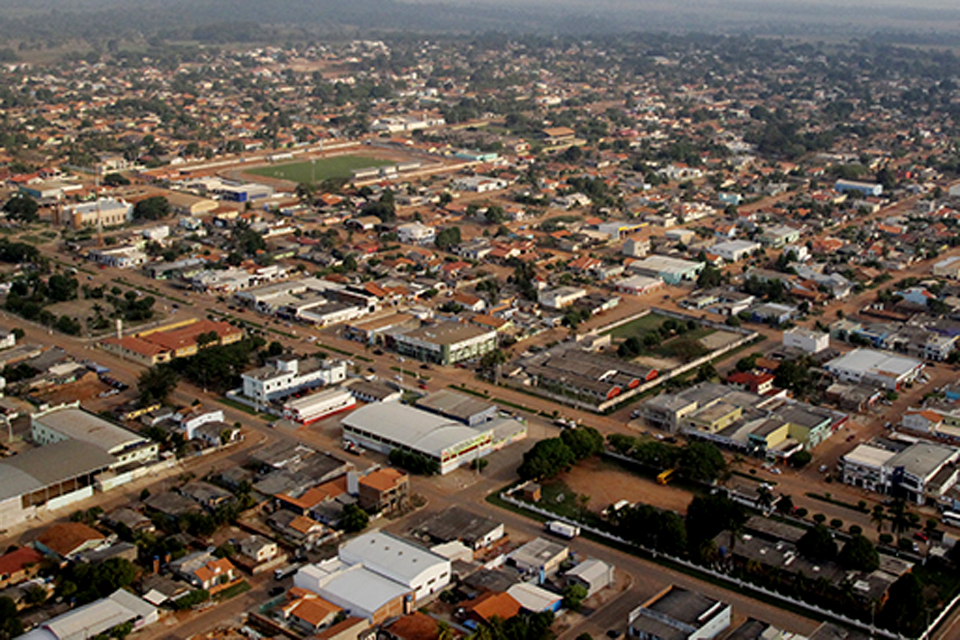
x,y
899,517
444,630
877,517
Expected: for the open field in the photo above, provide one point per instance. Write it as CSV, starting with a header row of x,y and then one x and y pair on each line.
x,y
318,170
686,342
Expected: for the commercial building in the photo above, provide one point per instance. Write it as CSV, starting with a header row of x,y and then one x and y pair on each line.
x,y
120,257
767,425
91,620
947,268
377,575
638,285
416,233
880,369
383,490
806,340
470,410
177,341
457,524
70,423
671,270
319,405
539,557
106,212
590,377
734,250
386,426
679,614
445,343
560,297
921,472
592,574
863,188
286,375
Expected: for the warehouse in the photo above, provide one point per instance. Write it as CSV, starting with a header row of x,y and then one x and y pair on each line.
x,y
670,270
469,410
70,423
638,285
386,426
881,369
734,250
318,406
446,343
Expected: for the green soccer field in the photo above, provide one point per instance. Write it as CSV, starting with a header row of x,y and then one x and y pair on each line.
x,y
336,167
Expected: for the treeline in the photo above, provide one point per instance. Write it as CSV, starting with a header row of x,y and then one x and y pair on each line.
x,y
552,456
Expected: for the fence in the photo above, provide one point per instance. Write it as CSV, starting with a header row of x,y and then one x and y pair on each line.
x,y
741,585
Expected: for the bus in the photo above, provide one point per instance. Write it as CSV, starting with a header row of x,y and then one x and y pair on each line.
x,y
951,518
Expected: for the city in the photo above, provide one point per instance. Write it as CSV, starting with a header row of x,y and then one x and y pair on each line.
x,y
480,336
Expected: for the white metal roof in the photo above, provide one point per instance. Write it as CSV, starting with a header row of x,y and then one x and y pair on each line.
x,y
77,424
531,597
875,362
869,455
409,427
391,557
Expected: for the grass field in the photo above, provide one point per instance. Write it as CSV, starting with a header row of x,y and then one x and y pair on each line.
x,y
323,168
638,327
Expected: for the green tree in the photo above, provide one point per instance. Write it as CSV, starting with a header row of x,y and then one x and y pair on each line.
x,y
546,459
859,554
702,461
573,596
817,544
156,383
153,208
905,610
447,238
354,519
22,208
583,441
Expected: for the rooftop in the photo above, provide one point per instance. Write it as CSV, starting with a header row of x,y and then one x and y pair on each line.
x,y
410,427
77,424
455,404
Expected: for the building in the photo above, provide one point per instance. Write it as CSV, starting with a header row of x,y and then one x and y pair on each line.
x,y
560,297
458,524
636,247
70,423
127,257
590,377
863,188
258,548
470,410
67,539
105,212
308,611
877,368
539,557
420,570
673,271
167,343
535,599
52,476
679,614
283,376
806,340
921,472
638,285
383,490
416,233
204,571
947,268
445,343
91,620
591,574
319,405
18,566
734,250
386,426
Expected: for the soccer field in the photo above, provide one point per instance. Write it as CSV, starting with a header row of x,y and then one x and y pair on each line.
x,y
336,167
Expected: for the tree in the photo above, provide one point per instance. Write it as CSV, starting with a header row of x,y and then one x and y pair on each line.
x,y
153,208
22,208
709,277
583,441
10,625
156,383
800,459
817,544
546,459
859,554
447,238
905,610
354,519
707,516
702,461
573,596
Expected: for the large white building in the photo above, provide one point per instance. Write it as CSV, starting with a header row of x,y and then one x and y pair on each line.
x,y
285,375
416,233
106,212
319,405
883,370
71,423
377,575
921,472
734,250
806,340
560,297
92,620
679,614
386,426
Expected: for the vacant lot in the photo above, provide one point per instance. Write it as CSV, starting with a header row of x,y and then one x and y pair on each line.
x,y
661,337
320,169
607,483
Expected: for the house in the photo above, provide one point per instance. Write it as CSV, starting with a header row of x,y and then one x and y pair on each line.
x,y
486,607
416,233
19,565
457,524
560,297
414,626
204,571
806,340
539,557
383,490
258,548
67,539
308,611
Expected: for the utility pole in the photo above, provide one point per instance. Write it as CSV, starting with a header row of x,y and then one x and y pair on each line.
x,y
96,194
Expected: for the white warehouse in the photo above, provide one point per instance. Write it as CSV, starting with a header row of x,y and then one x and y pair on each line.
x,y
319,405
285,376
883,370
